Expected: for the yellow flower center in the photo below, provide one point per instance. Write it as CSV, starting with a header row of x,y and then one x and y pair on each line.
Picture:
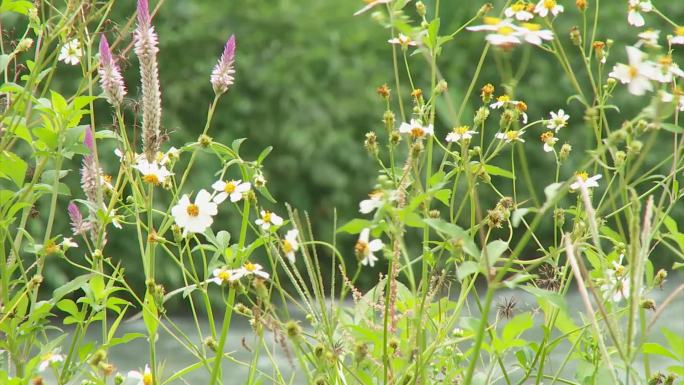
x,y
547,137
224,275
503,99
519,6
287,247
249,266
192,210
107,178
230,187
505,30
147,379
512,135
679,31
582,175
491,20
549,4
361,248
417,132
151,178
633,72
531,26
665,60
377,194
266,217
521,106
461,130
47,356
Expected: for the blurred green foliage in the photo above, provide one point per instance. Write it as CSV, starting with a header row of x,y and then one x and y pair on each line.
x,y
306,77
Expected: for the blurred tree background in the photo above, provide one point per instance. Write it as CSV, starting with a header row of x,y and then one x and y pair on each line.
x,y
306,77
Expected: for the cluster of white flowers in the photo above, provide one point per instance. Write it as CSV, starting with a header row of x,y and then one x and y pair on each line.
x,y
640,73
616,282
635,8
416,129
223,275
504,32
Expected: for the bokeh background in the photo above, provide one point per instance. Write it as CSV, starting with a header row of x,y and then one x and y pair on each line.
x,y
306,77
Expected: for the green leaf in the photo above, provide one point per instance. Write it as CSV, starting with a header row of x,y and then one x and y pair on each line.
x,y
657,349
547,297
69,287
264,154
455,233
443,196
18,6
12,167
150,315
495,249
675,341
4,59
355,226
552,190
516,326
672,128
498,171
467,268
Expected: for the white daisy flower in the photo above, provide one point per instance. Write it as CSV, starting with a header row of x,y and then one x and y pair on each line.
x,y
268,219
583,179
616,286
235,189
403,41
290,244
544,7
153,172
371,204
534,34
520,11
221,276
511,136
48,359
249,269
194,217
549,141
370,4
416,129
648,38
666,70
667,97
503,101
635,8
71,52
460,133
678,37
144,378
364,248
637,74
68,242
505,32
558,120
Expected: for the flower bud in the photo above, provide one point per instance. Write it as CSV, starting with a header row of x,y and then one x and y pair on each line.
x,y
635,147
559,216
24,45
434,213
441,87
486,93
420,8
371,143
119,379
204,140
383,91
210,343
395,137
581,5
660,278
620,157
416,149
481,116
484,9
293,329
564,152
575,36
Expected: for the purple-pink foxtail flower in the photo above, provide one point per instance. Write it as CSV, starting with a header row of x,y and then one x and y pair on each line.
x,y
78,226
90,172
146,49
222,75
110,76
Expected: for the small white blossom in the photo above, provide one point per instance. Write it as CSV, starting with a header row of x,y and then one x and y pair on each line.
x,y
268,219
583,179
544,7
534,34
249,269
364,248
511,136
371,204
235,189
558,120
460,133
194,217
616,282
68,242
71,52
678,37
48,359
416,129
666,70
152,172
504,33
667,97
637,74
520,11
291,245
403,41
635,8
549,141
144,378
222,276
648,38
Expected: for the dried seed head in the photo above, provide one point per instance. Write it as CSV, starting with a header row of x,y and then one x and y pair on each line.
x,y
383,91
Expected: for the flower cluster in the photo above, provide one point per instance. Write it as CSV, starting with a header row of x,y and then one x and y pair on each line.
x,y
505,33
640,73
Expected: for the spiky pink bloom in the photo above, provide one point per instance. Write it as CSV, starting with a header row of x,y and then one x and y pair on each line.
x,y
110,76
222,75
78,226
90,172
146,49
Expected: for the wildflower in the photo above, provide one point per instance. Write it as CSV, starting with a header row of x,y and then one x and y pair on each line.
x,y
416,129
268,219
250,269
545,6
365,249
167,157
222,75
144,378
290,244
678,37
558,120
146,49
78,226
616,286
666,70
486,93
583,179
403,40
370,4
519,10
259,180
48,359
677,97
383,91
110,76
511,136
549,141
502,101
522,109
71,52
505,32
581,5
460,133
90,171
68,242
648,38
235,189
152,172
221,276
635,8
371,204
637,73
599,51
194,217
534,34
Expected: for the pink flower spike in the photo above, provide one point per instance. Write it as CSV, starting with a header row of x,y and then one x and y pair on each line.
x,y
143,13
76,218
88,139
222,75
105,53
